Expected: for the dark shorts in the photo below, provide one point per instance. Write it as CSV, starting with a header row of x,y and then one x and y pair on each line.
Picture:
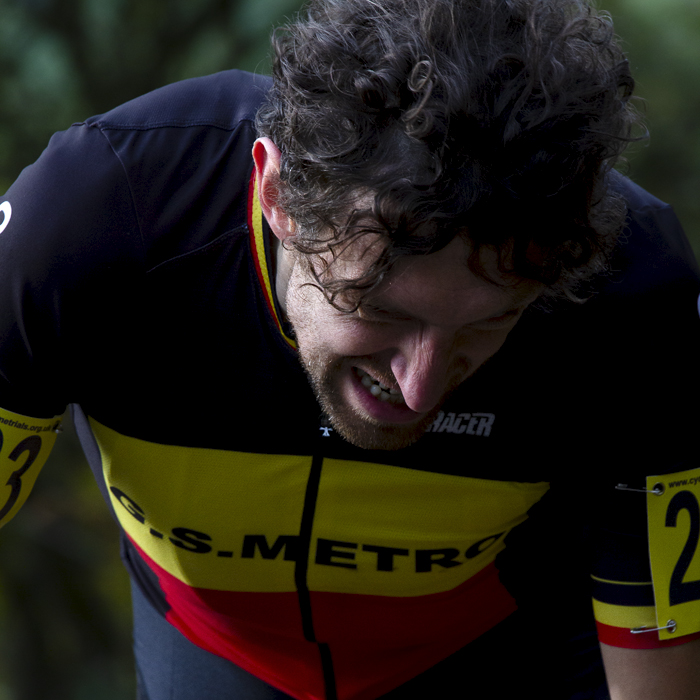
x,y
513,660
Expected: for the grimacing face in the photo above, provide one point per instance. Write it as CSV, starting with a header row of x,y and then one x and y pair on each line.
x,y
382,373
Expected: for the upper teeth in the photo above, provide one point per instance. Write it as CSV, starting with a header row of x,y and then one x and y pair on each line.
x,y
376,388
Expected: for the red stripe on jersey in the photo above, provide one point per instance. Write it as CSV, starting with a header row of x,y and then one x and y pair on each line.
x,y
393,639
377,642
622,637
237,627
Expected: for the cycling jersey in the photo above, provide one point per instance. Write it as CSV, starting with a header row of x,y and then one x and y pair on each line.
x,y
135,267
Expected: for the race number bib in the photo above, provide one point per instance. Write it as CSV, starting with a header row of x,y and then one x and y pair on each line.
x,y
673,508
25,444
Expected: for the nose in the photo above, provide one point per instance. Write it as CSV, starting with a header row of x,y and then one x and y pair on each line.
x,y
423,367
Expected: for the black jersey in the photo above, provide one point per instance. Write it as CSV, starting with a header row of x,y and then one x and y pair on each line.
x,y
135,286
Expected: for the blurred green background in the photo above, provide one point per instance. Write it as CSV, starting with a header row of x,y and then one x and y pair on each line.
x,y
64,600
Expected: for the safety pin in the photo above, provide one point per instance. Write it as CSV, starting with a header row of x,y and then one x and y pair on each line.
x,y
670,626
657,490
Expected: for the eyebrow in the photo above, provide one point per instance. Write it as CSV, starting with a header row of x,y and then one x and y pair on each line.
x,y
515,306
385,309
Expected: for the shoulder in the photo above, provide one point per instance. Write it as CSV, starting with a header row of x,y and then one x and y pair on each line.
x,y
185,153
221,100
637,197
653,251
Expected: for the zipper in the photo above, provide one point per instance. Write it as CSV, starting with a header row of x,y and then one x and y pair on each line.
x,y
302,566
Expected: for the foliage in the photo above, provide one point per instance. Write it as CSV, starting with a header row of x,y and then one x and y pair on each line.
x,y
64,60
662,38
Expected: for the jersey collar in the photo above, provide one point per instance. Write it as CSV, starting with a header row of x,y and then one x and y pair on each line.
x,y
259,243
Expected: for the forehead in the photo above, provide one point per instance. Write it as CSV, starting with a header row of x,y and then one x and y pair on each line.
x,y
440,289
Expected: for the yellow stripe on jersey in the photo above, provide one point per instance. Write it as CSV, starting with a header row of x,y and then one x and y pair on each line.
x,y
231,520
626,616
25,444
406,532
190,509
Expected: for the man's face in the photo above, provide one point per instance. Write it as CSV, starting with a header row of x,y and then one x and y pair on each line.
x,y
382,373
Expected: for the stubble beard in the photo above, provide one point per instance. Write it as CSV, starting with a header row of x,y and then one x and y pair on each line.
x,y
325,372
354,426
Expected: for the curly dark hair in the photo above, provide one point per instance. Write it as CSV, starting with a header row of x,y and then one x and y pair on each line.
x,y
420,120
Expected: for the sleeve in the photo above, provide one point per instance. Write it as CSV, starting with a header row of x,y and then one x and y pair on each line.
x,y
646,562
630,591
69,237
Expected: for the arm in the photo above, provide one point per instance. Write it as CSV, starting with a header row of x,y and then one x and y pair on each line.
x,y
670,673
65,236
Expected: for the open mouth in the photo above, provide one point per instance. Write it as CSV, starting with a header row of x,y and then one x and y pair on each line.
x,y
379,401
382,407
379,390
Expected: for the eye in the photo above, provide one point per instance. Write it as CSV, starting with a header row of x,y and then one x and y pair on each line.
x,y
508,316
374,314
499,322
370,316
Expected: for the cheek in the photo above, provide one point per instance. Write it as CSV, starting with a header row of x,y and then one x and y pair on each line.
x,y
350,339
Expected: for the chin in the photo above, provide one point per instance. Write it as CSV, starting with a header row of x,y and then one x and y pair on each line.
x,y
378,437
369,435
355,425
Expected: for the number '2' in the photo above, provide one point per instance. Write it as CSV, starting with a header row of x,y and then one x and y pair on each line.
x,y
684,591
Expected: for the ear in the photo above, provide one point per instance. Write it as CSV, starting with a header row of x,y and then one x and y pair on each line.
x,y
267,169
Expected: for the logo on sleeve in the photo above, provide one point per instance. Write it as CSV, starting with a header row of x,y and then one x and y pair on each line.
x,y
6,210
